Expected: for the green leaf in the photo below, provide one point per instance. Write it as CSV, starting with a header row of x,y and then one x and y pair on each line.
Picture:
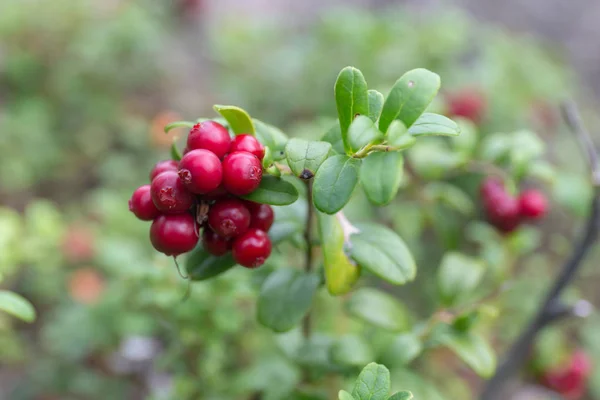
x,y
398,137
473,350
450,195
466,142
201,265
373,383
375,104
351,350
340,272
380,175
238,119
275,191
285,298
379,309
409,97
17,306
305,157
351,98
334,136
362,132
402,350
430,124
271,137
401,396
384,253
289,221
334,183
458,275
343,395
175,153
178,124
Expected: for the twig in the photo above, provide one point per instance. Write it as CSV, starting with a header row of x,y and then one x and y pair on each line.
x,y
551,308
308,261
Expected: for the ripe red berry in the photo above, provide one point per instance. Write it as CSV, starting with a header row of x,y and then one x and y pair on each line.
x,y
200,171
215,244
163,166
491,187
261,215
169,195
468,103
242,173
533,204
141,204
216,194
570,380
503,212
229,218
252,248
174,234
249,144
209,135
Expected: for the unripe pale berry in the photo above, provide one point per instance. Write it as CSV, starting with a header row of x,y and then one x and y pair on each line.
x,y
209,135
169,194
163,166
249,144
141,204
261,215
215,244
251,249
174,234
200,171
229,218
242,173
533,204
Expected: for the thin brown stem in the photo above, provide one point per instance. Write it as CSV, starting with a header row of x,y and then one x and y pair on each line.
x,y
308,260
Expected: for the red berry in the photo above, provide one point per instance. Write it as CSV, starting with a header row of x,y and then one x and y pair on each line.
x,y
215,244
216,194
242,173
141,204
163,166
261,216
533,204
503,212
174,234
468,103
570,380
249,144
169,195
229,218
252,248
490,187
209,135
200,171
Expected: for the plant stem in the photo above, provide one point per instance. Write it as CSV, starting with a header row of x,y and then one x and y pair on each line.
x,y
308,261
549,311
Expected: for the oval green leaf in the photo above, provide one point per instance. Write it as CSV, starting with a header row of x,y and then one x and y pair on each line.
x,y
362,132
17,306
285,298
373,383
334,136
343,395
351,350
430,124
201,265
473,349
351,98
404,395
409,98
379,309
334,183
384,253
275,191
305,157
375,104
402,350
272,137
237,118
380,176
458,276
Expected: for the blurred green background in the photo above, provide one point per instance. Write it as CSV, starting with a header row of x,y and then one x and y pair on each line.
x,y
87,86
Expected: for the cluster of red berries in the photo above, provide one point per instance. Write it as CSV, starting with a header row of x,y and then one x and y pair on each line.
x,y
506,211
570,380
201,190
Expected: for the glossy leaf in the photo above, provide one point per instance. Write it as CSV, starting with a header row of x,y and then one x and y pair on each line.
x,y
305,157
201,265
384,253
458,275
430,124
17,306
379,309
178,124
334,136
351,98
380,176
373,383
271,137
362,131
473,350
375,104
398,136
401,396
238,119
409,97
341,273
334,183
275,191
343,395
285,298
351,350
